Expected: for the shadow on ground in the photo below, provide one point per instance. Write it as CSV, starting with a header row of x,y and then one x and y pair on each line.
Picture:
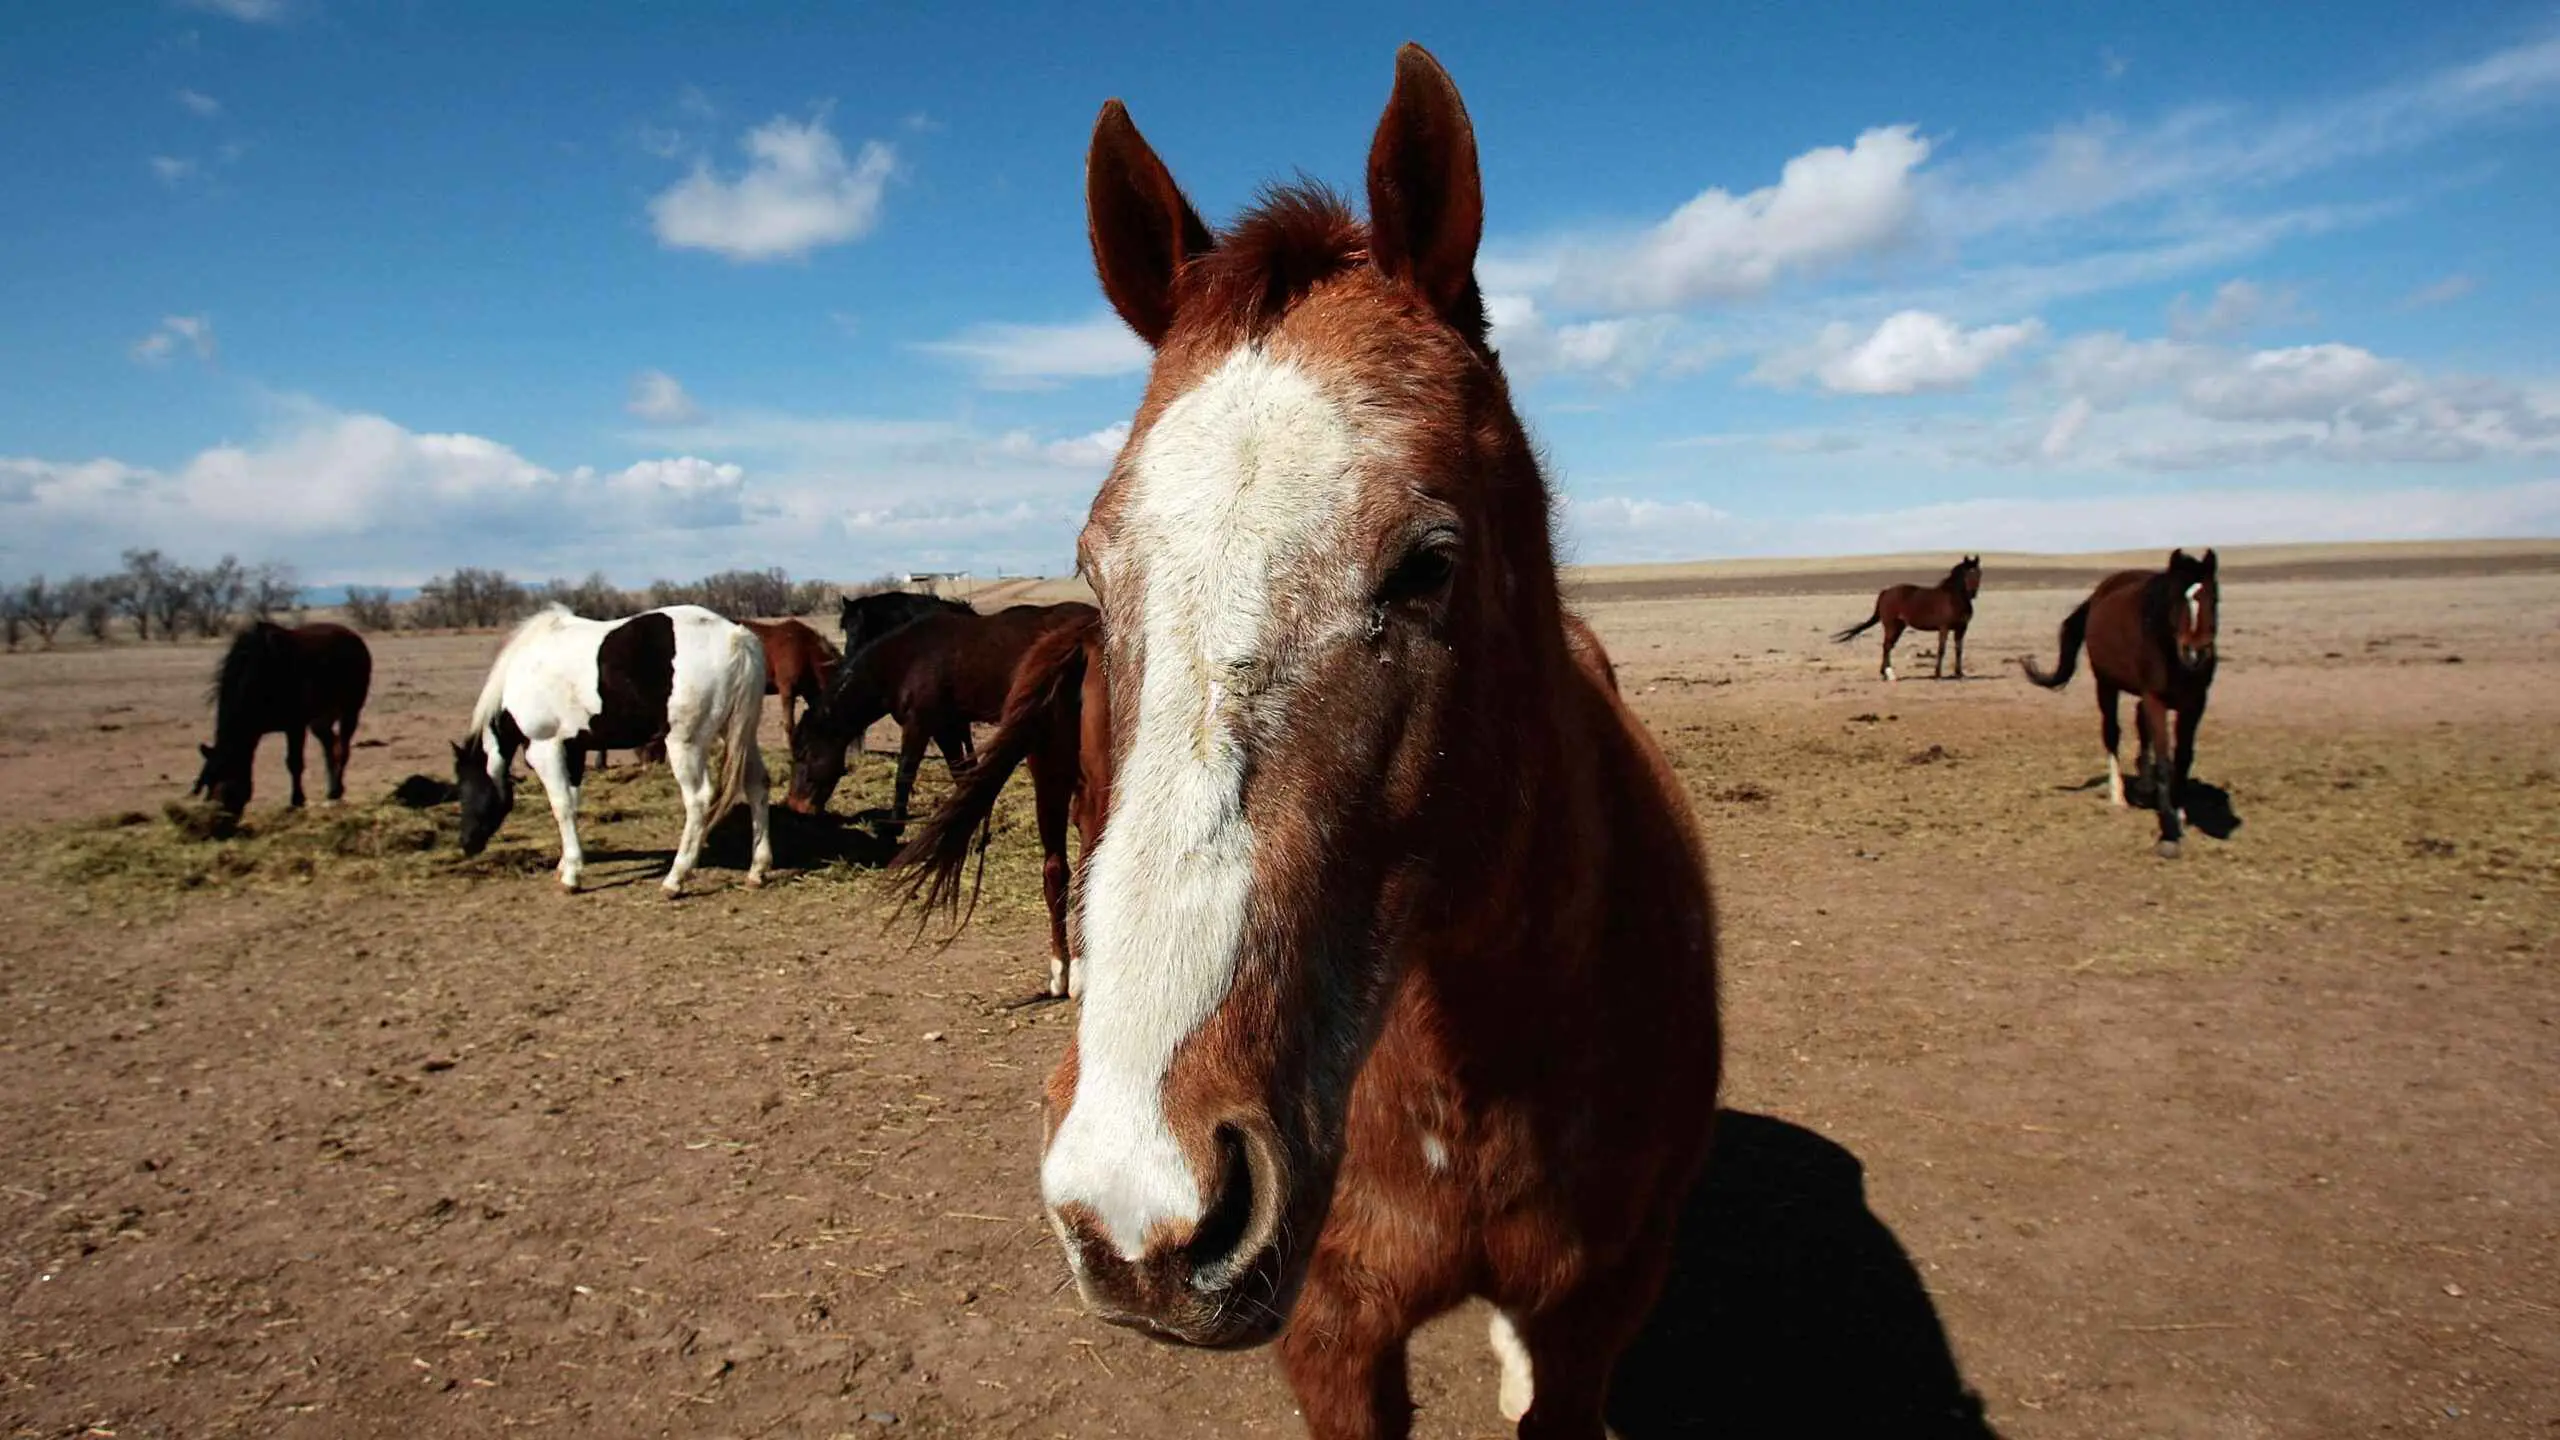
x,y
1791,1309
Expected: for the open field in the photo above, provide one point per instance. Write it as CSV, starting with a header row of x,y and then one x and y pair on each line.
x,y
325,1131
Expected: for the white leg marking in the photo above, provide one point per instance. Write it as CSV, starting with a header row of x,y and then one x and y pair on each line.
x,y
1245,471
2115,781
693,782
758,786
550,761
1519,1383
1889,675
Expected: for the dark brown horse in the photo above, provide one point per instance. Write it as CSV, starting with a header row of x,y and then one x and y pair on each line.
x,y
309,678
1057,720
865,618
2150,632
936,676
798,663
1399,957
1946,607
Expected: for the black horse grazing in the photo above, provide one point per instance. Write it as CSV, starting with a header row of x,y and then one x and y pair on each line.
x,y
1946,607
311,677
2150,632
866,618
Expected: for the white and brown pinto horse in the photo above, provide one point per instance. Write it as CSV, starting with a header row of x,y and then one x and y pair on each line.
x,y
1400,956
563,686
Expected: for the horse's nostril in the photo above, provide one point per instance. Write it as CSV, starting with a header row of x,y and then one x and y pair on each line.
x,y
1221,1233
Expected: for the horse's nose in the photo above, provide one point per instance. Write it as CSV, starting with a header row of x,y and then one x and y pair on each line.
x,y
1213,1282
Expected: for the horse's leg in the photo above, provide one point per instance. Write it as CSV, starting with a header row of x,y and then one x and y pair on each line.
x,y
1344,1357
913,735
2111,729
2156,741
2188,720
293,761
692,769
1959,652
1053,782
1892,633
759,785
1938,668
342,750
550,762
1557,1368
320,731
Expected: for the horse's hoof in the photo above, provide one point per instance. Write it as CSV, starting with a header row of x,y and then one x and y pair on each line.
x,y
2168,849
755,879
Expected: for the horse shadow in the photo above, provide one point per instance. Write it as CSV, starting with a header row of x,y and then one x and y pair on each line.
x,y
1790,1309
2208,808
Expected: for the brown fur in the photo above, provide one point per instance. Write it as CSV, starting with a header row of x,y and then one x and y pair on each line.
x,y
305,678
1056,720
798,663
1480,909
1946,607
2142,637
936,676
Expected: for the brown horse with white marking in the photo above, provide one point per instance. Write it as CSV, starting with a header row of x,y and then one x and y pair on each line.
x,y
798,663
2150,632
1399,956
1946,607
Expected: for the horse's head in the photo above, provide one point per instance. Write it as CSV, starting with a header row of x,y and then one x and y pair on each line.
x,y
226,785
2195,607
820,750
1969,574
1324,504
485,779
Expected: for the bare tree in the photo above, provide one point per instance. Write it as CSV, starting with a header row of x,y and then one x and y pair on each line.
x,y
214,596
370,608
146,578
272,589
595,597
95,600
43,607
469,598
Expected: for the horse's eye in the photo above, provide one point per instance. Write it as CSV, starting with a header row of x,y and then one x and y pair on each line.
x,y
1424,571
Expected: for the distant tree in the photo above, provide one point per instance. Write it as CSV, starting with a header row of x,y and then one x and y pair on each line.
x,y
745,594
43,608
146,592
595,597
811,597
215,595
12,621
469,599
96,599
370,608
272,589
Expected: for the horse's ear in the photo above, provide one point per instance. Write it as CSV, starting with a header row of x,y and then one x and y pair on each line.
x,y
1143,231
2209,562
1426,198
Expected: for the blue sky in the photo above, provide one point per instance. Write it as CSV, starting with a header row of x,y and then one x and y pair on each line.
x,y
383,288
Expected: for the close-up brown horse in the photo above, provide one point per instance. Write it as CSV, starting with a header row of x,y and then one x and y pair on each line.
x,y
1056,720
1399,955
2150,632
1946,607
307,678
798,663
936,676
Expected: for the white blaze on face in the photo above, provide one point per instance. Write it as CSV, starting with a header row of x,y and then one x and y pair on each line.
x,y
2192,592
1237,479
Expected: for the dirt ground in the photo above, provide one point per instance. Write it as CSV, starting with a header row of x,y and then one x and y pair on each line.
x,y
324,1131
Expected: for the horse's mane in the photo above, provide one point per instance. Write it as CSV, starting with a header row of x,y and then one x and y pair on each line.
x,y
256,654
1291,238
493,691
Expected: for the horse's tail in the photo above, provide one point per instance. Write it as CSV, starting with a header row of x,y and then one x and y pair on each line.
x,y
2075,628
1853,632
1046,700
744,683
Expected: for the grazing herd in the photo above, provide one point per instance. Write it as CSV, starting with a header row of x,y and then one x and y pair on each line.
x,y
1398,959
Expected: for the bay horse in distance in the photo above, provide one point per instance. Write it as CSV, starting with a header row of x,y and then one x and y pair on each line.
x,y
310,678
2151,633
1399,955
1057,720
563,686
936,676
1946,607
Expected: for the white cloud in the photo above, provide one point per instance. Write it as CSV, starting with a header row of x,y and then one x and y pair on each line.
x,y
2238,306
248,12
798,193
2065,430
193,333
1617,349
200,104
1032,357
657,398
172,169
2442,292
1910,352
1830,204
